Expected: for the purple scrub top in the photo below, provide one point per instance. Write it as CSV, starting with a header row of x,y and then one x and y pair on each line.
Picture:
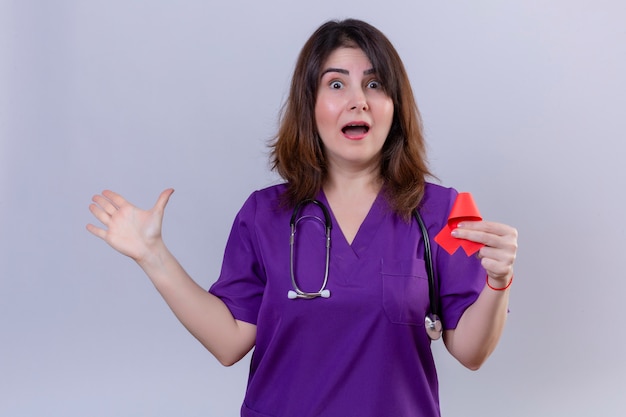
x,y
364,351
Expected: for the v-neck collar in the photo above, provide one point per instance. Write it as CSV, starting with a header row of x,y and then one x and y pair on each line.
x,y
367,231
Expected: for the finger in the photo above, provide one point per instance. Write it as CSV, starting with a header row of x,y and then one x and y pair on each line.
x,y
99,232
505,256
101,214
495,269
105,204
491,234
478,236
497,262
499,229
163,199
115,198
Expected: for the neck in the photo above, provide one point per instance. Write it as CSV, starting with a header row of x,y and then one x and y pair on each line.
x,y
350,196
353,183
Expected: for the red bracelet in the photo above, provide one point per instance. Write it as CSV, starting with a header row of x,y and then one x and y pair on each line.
x,y
500,289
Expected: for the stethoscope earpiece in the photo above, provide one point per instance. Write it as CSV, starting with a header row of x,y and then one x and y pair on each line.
x,y
292,295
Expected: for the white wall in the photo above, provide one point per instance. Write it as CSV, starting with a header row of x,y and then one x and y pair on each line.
x,y
524,106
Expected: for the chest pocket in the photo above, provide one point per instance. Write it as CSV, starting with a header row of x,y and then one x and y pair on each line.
x,y
405,290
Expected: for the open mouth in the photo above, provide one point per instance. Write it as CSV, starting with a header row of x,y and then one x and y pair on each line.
x,y
355,129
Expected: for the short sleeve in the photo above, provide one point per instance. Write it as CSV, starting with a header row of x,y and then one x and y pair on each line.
x,y
462,280
461,277
242,280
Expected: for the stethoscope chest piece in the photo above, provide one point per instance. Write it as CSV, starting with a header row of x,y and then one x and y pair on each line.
x,y
433,326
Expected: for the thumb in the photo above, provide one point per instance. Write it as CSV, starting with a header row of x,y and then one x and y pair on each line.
x,y
164,197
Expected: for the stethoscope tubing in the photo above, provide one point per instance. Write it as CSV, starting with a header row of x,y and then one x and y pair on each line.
x,y
431,321
293,223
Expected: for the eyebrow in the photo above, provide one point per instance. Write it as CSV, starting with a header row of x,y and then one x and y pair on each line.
x,y
346,72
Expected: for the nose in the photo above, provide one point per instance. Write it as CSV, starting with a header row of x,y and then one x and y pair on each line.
x,y
358,101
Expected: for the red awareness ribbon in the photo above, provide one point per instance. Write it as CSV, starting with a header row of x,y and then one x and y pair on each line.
x,y
464,208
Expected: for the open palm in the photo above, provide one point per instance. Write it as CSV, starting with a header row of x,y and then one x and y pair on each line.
x,y
128,229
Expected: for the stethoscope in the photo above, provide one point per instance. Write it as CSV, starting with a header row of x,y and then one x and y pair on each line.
x,y
297,292
431,321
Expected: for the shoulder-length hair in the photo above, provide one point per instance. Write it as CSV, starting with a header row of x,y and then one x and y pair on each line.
x,y
297,152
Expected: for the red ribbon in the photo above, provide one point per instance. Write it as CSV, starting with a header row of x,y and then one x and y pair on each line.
x,y
464,208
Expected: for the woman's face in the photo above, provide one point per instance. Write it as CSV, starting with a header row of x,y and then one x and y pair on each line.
x,y
352,112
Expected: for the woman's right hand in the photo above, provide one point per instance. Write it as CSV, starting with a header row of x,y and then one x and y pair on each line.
x,y
128,229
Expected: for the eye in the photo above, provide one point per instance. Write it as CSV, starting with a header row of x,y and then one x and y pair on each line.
x,y
336,85
374,84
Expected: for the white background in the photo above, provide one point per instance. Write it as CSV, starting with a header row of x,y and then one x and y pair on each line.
x,y
524,106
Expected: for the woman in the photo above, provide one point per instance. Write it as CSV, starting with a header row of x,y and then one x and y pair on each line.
x,y
350,138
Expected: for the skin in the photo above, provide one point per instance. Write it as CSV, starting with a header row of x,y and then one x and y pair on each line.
x,y
350,93
481,325
137,233
344,96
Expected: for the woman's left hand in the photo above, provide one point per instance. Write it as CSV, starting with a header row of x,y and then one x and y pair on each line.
x,y
498,254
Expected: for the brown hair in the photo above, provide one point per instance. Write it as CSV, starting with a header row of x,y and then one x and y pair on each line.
x,y
297,152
